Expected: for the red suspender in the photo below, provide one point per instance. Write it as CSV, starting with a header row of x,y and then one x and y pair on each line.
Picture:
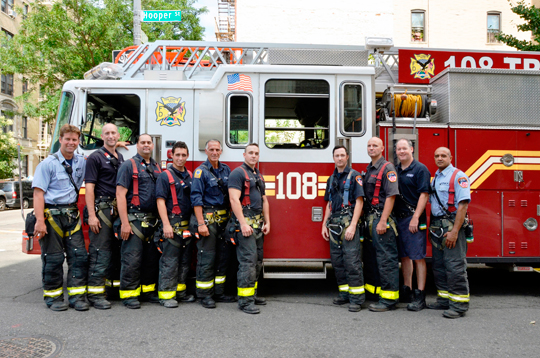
x,y
247,200
135,200
375,200
452,192
176,208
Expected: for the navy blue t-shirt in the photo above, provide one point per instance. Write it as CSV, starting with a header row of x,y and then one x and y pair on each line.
x,y
413,181
147,186
237,180
335,192
183,190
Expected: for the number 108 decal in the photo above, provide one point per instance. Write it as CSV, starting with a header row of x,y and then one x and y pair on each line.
x,y
294,185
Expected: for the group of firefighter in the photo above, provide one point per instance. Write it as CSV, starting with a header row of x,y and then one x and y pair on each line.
x,y
144,223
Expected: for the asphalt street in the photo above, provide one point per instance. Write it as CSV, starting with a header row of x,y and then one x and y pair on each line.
x,y
299,320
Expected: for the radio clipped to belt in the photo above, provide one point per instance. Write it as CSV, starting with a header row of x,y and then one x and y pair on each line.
x,y
71,212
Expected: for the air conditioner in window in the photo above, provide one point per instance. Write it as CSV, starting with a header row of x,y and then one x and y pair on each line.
x,y
12,13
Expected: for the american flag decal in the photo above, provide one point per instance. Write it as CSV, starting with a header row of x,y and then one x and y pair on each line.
x,y
237,82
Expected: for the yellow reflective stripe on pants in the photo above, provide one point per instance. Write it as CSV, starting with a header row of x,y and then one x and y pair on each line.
x,y
343,288
459,298
130,293
220,279
53,293
76,290
149,288
181,287
372,289
245,292
389,295
166,295
443,294
356,290
256,284
96,289
114,283
204,285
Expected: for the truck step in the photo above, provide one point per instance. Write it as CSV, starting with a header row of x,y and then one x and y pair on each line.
x,y
294,270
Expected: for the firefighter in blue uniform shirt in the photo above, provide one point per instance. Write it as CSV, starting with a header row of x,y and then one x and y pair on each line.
x,y
449,244
413,178
209,198
381,188
344,194
136,198
252,218
58,225
104,249
173,188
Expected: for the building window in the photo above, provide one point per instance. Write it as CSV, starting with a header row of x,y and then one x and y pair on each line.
x,y
493,27
7,115
25,11
7,84
24,127
8,34
418,26
25,86
4,6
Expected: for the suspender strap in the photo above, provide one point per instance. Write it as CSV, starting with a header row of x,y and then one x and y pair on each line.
x,y
452,192
176,208
68,171
246,201
375,200
135,199
347,188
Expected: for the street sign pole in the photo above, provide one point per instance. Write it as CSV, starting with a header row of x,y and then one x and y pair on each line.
x,y
136,22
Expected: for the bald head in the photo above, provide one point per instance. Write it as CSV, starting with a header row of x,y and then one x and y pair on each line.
x,y
110,136
375,148
443,158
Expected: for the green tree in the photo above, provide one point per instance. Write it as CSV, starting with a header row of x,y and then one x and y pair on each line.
x,y
60,42
8,150
531,15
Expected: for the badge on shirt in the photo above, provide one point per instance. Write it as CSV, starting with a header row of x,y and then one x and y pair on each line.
x,y
359,179
463,182
198,173
392,176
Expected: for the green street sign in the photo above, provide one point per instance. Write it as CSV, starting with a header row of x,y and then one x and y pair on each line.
x,y
161,15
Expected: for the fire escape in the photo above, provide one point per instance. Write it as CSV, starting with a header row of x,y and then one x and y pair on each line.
x,y
226,21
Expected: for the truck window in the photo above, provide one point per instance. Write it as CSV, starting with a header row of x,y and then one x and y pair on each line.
x,y
239,119
64,113
351,122
296,114
123,110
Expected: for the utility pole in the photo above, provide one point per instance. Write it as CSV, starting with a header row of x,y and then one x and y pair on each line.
x,y
136,22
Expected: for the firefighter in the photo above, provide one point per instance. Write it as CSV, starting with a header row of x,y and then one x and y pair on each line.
x,y
209,198
100,182
344,194
58,225
449,244
381,188
252,218
136,198
173,188
413,179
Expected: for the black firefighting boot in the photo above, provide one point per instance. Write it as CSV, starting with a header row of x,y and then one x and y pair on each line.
x,y
406,295
419,302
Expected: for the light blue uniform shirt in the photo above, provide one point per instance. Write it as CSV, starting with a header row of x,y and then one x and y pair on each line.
x,y
52,178
442,185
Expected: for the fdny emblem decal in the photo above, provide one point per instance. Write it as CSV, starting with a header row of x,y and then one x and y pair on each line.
x,y
422,66
392,176
198,173
359,180
463,182
170,111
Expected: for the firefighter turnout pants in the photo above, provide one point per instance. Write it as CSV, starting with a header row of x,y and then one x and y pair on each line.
x,y
174,264
250,257
386,254
100,254
140,261
345,256
64,234
213,256
449,267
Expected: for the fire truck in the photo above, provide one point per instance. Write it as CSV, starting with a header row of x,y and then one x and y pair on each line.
x,y
299,101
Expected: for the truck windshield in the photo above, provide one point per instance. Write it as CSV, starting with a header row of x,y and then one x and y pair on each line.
x,y
64,112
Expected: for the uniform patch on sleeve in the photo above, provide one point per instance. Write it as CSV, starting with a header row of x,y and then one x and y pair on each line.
x,y
359,179
392,176
463,182
198,173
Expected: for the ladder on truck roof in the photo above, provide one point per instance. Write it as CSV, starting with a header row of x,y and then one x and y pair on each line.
x,y
193,57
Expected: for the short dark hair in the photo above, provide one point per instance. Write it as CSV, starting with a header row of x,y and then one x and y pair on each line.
x,y
180,144
69,128
249,145
340,147
140,135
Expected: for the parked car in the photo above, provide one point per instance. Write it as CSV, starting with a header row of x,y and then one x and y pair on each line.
x,y
10,194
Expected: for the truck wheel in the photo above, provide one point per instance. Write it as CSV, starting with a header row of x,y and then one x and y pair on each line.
x,y
26,203
2,204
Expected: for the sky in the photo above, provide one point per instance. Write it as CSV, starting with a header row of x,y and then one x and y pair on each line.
x,y
207,20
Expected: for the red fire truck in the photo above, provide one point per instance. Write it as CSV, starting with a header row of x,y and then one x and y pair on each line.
x,y
298,102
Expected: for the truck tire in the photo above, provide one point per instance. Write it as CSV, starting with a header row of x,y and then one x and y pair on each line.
x,y
2,204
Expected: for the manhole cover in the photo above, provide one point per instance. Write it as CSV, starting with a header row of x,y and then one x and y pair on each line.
x,y
35,347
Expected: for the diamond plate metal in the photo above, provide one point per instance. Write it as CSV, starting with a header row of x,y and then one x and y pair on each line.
x,y
487,97
281,56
